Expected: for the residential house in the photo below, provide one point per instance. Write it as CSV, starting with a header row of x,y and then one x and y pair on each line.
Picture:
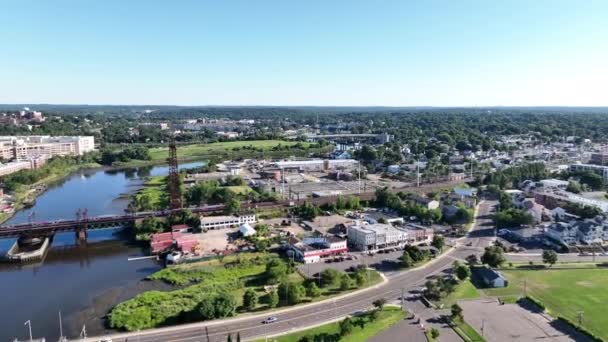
x,y
490,277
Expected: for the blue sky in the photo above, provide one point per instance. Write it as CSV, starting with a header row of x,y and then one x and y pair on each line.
x,y
325,52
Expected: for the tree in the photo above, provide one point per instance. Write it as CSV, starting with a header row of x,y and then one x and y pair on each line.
x,y
330,277
415,253
575,187
225,305
345,282
456,311
229,338
472,260
434,333
305,338
346,326
313,290
294,292
493,256
406,260
233,206
276,269
250,299
463,272
438,242
273,299
549,257
379,303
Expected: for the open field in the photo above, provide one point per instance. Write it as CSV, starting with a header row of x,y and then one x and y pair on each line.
x,y
230,148
565,293
387,317
464,290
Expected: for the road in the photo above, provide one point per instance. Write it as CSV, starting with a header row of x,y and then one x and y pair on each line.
x,y
297,318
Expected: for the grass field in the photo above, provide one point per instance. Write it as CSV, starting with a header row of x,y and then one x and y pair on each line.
x,y
464,290
387,317
192,152
564,292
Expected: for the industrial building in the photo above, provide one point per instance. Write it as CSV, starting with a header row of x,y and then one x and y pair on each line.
x,y
221,222
316,164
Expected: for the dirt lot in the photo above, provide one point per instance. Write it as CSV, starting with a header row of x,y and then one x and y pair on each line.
x,y
293,228
215,239
515,322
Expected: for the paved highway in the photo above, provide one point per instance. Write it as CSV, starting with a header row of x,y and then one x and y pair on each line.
x,y
297,318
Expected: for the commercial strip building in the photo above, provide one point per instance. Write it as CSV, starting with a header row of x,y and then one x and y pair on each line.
x,y
221,222
44,146
364,237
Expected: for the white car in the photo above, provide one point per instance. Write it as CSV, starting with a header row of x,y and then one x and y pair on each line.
x,y
269,320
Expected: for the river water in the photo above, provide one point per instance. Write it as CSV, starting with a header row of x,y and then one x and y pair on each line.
x,y
83,282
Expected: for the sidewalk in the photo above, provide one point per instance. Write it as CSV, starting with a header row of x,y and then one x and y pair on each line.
x,y
430,319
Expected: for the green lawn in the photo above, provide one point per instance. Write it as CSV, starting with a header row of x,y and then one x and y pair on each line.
x,y
240,189
192,152
467,333
387,317
464,290
564,292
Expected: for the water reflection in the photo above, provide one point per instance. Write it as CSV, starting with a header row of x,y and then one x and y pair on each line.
x,y
74,278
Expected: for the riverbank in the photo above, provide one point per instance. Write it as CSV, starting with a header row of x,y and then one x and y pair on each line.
x,y
25,194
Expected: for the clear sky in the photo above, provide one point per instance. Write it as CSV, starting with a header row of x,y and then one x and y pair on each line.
x,y
313,52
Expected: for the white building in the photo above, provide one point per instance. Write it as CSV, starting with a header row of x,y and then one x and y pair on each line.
x,y
220,222
246,230
26,147
317,164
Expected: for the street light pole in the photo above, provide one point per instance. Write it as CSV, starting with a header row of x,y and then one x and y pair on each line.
x,y
29,325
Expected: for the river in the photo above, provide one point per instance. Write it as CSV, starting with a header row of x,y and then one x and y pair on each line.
x,y
83,282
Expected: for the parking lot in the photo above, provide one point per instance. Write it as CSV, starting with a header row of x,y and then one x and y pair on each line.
x,y
515,322
383,262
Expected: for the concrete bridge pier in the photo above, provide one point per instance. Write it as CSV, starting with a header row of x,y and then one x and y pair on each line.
x,y
81,235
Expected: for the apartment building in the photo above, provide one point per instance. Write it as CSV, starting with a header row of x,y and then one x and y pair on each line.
x,y
37,146
12,167
598,169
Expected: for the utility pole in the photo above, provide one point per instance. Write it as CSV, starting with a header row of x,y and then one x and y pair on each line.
x,y
483,323
403,299
29,326
61,337
580,317
525,287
